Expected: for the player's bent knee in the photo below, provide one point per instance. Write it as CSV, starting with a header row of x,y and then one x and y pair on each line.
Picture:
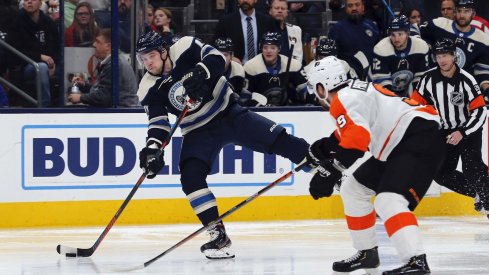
x,y
352,189
388,204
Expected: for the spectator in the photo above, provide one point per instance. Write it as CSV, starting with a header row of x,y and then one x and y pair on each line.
x,y
355,37
8,11
471,43
267,75
327,47
163,22
244,27
100,93
124,8
447,9
150,12
233,71
399,60
69,12
36,35
83,30
291,34
413,14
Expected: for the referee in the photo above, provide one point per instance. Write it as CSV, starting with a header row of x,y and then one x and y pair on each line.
x,y
458,99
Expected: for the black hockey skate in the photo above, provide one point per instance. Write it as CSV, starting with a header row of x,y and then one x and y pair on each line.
x,y
363,259
417,265
481,206
219,245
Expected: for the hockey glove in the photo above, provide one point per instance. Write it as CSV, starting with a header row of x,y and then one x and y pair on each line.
x,y
151,161
323,182
321,150
194,83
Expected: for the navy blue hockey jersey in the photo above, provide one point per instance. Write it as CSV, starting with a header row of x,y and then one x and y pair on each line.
x,y
399,71
472,46
167,93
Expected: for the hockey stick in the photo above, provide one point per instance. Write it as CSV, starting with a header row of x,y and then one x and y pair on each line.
x,y
389,8
228,213
87,252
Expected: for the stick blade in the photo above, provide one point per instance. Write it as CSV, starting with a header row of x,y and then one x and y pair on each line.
x,y
68,251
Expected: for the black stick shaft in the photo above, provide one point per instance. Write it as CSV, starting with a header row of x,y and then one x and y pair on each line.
x,y
228,213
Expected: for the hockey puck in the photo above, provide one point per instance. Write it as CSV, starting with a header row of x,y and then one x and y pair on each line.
x,y
71,255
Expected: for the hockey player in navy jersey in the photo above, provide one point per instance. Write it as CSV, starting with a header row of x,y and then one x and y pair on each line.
x,y
399,60
327,47
472,44
214,120
266,74
234,71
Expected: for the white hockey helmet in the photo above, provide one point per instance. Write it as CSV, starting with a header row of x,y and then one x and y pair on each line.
x,y
330,73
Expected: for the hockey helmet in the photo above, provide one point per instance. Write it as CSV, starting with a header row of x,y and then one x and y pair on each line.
x,y
399,23
326,47
224,44
445,45
330,73
150,41
469,4
271,38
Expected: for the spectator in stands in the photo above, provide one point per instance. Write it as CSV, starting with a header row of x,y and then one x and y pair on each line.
x,y
399,60
36,35
291,34
234,71
83,30
245,27
267,75
150,15
447,9
124,8
413,14
69,12
163,22
472,44
355,37
8,11
100,93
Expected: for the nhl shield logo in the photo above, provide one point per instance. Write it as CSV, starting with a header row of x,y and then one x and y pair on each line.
x,y
177,99
457,98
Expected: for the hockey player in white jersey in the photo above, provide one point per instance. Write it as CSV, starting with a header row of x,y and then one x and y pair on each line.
x,y
404,141
399,60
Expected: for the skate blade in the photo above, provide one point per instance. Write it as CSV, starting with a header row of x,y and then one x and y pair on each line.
x,y
361,271
223,253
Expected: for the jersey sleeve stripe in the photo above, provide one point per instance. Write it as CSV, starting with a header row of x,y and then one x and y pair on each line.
x,y
419,98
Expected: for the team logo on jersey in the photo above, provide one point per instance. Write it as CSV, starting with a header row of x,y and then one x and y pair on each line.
x,y
177,99
457,97
460,54
401,80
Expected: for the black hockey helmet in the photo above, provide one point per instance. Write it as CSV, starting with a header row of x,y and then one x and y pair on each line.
x,y
151,41
445,45
271,38
399,23
326,47
469,4
224,44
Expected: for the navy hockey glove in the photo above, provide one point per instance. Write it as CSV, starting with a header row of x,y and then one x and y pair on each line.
x,y
194,83
151,161
323,182
321,150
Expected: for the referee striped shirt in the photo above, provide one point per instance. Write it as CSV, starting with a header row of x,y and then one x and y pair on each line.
x,y
458,99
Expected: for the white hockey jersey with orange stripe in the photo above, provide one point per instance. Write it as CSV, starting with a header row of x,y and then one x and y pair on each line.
x,y
370,117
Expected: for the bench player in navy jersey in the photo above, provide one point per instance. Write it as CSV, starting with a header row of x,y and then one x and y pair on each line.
x,y
472,44
214,120
399,60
